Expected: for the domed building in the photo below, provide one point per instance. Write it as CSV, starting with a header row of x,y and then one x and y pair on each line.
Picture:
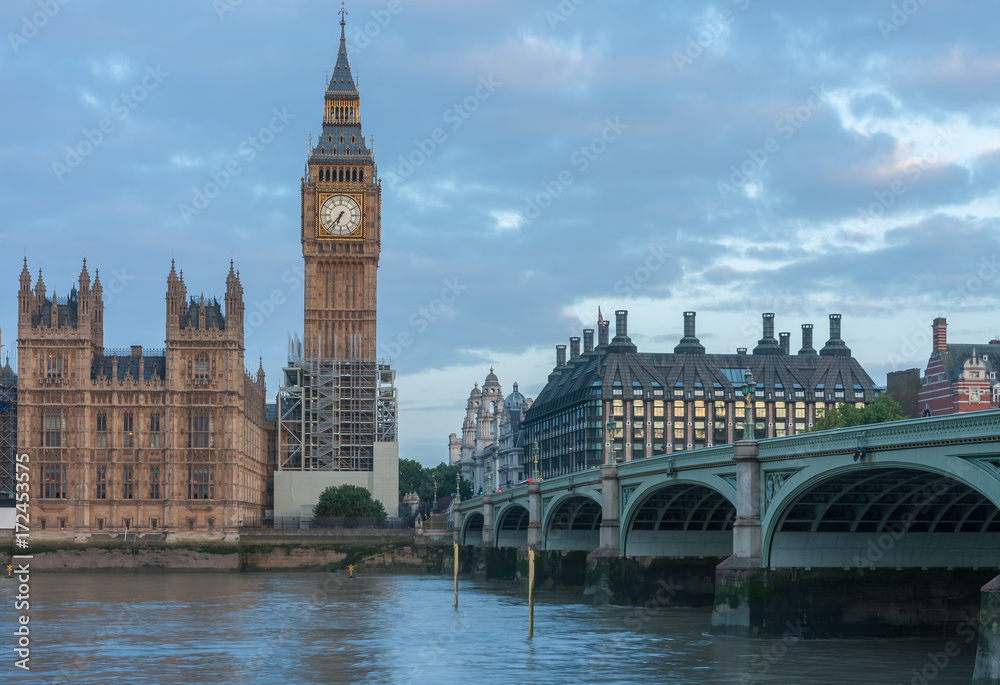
x,y
491,449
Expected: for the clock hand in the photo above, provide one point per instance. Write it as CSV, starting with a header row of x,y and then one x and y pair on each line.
x,y
339,217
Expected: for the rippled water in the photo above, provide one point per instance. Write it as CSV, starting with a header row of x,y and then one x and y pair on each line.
x,y
313,628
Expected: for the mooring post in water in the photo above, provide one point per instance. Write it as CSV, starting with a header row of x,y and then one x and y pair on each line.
x,y
456,575
531,593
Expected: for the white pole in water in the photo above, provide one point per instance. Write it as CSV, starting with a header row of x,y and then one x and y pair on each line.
x,y
126,533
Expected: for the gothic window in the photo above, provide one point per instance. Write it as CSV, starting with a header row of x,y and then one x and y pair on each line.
x,y
127,482
128,436
201,482
54,482
53,429
334,150
361,176
200,426
54,366
201,367
322,150
359,150
352,139
154,482
333,112
102,429
154,430
102,482
329,139
341,139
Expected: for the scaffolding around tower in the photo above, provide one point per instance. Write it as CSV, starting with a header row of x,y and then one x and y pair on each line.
x,y
336,425
8,430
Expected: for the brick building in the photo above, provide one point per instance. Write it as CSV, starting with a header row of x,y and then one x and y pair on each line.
x,y
959,377
171,441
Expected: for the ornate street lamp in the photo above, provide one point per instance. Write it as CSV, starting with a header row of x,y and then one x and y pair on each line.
x,y
611,441
434,506
489,475
534,451
749,389
458,485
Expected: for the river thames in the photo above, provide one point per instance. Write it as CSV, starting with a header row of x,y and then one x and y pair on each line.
x,y
324,628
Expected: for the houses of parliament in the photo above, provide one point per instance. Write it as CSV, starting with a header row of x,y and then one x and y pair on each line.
x,y
181,441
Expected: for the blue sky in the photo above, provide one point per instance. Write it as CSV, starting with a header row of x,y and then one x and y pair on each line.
x,y
539,159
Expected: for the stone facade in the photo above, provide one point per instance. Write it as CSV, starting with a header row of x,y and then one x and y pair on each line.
x,y
171,440
492,437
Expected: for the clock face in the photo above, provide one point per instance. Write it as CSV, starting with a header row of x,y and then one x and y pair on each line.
x,y
340,215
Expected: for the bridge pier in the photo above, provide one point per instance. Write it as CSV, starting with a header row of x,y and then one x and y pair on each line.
x,y
605,562
735,577
487,521
988,654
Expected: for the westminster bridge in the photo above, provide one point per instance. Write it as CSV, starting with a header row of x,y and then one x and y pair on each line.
x,y
882,529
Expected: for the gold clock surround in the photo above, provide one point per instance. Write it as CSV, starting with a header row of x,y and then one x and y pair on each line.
x,y
322,233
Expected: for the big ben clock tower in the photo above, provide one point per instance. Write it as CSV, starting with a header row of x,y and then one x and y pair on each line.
x,y
341,227
337,423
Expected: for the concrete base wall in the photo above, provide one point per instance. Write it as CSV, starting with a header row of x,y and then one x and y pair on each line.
x,y
988,654
297,492
827,603
681,581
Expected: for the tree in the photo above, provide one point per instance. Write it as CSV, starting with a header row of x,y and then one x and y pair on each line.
x,y
413,477
349,501
884,408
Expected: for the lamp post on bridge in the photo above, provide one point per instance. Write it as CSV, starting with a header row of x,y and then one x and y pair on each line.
x,y
612,424
749,389
534,452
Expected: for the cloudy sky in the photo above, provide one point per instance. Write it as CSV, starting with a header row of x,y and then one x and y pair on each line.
x,y
539,159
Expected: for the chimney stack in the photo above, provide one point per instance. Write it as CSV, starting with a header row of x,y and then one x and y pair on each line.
x,y
588,340
940,327
621,323
807,339
835,346
574,348
560,356
689,343
768,344
786,342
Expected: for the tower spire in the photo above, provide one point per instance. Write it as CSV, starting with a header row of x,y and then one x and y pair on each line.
x,y
342,81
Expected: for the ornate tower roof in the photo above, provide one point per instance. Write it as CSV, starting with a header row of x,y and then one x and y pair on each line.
x,y
342,81
342,140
